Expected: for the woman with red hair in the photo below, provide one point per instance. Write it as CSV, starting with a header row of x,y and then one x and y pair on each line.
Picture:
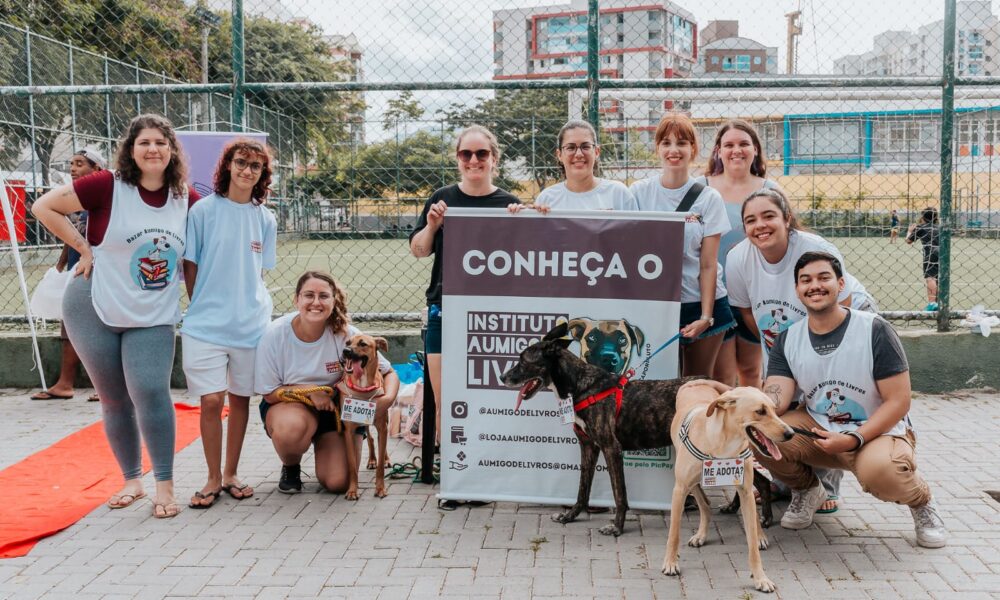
x,y
231,239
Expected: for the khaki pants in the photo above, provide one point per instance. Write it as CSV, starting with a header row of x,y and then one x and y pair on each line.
x,y
885,467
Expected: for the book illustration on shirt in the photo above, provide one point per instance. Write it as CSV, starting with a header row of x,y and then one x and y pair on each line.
x,y
154,264
772,324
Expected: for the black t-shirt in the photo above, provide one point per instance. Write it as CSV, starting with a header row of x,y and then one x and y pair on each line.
x,y
929,235
454,198
889,358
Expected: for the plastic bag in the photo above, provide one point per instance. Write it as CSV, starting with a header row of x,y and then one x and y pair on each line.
x,y
46,301
979,322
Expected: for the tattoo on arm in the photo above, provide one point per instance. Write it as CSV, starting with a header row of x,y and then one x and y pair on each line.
x,y
774,391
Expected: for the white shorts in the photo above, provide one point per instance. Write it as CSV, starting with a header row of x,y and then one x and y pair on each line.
x,y
210,368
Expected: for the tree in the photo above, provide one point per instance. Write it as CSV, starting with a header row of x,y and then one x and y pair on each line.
x,y
401,110
413,166
526,123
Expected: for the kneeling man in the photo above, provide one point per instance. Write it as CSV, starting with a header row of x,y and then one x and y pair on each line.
x,y
850,368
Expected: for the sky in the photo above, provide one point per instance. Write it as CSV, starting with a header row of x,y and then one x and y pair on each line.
x,y
438,40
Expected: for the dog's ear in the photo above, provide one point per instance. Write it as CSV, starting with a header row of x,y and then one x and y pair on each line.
x,y
561,343
727,400
577,327
635,334
382,344
559,331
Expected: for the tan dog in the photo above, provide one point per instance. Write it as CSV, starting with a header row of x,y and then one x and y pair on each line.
x,y
362,380
721,423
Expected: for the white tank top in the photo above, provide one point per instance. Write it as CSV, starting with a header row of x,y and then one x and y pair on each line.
x,y
136,265
839,388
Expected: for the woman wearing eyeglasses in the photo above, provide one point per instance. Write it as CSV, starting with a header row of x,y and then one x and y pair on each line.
x,y
231,239
578,152
478,156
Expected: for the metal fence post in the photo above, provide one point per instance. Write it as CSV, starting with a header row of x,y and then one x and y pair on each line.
x,y
593,63
72,100
947,135
239,67
31,112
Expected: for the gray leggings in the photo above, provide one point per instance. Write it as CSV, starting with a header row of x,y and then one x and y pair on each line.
x,y
130,368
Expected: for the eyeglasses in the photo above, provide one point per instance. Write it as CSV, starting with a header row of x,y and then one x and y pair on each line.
x,y
585,147
481,155
241,164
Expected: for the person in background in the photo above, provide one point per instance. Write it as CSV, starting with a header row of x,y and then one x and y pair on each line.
x,y
231,239
705,311
83,163
736,169
121,309
893,227
928,231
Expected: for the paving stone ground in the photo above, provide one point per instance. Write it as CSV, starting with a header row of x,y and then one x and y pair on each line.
x,y
317,544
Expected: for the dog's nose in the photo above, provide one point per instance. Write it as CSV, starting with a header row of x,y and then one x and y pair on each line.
x,y
789,434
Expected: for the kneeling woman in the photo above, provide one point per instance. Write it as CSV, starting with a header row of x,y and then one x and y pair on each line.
x,y
303,349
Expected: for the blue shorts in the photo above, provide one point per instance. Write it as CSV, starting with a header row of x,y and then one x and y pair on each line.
x,y
432,338
741,329
721,312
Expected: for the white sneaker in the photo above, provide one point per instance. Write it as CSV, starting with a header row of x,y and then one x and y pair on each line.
x,y
929,526
803,506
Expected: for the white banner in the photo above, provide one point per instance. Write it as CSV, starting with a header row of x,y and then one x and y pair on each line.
x,y
508,279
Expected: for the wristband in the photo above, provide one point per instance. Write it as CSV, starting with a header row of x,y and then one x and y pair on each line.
x,y
856,435
709,318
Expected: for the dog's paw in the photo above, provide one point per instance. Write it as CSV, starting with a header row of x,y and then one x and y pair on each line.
x,y
763,542
763,584
352,493
670,568
730,508
372,464
696,541
767,521
380,491
611,529
564,517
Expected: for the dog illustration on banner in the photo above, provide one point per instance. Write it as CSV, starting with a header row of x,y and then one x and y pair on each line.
x,y
154,264
770,326
608,344
841,409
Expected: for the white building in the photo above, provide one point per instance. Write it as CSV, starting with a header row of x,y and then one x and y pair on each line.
x,y
920,52
639,40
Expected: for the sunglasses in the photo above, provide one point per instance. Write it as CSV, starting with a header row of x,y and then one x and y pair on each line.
x,y
255,167
481,155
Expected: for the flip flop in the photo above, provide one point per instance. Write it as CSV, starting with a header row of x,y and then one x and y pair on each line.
x,y
213,495
121,497
166,508
836,505
93,398
229,488
43,395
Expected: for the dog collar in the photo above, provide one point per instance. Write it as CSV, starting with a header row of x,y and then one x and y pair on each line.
x,y
615,391
682,433
365,393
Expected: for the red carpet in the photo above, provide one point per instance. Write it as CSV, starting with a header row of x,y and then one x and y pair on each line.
x,y
49,491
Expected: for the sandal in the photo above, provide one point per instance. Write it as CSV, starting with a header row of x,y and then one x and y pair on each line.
x,y
201,496
122,502
93,398
169,510
832,500
46,395
229,488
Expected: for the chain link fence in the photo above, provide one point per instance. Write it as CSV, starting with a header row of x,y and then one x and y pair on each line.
x,y
361,107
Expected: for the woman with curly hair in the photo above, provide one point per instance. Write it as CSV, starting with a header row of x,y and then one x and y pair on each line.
x,y
302,350
120,314
231,239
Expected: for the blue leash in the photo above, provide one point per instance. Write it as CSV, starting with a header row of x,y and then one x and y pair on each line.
x,y
631,371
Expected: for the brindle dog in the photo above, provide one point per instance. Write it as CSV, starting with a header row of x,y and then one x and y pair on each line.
x,y
643,424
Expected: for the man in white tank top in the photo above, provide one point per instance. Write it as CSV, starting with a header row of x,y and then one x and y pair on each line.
x,y
850,368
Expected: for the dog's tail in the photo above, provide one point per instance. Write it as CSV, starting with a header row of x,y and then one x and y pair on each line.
x,y
719,387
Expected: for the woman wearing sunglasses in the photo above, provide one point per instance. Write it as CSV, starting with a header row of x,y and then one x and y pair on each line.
x,y
478,155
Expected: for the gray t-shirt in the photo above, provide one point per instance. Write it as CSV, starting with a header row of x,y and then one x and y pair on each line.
x,y
887,350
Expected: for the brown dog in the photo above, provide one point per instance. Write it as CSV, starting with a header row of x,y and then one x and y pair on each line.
x,y
363,381
717,422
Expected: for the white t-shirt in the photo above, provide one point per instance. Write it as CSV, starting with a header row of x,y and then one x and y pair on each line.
x,y
734,210
284,359
651,195
231,243
769,289
839,388
608,195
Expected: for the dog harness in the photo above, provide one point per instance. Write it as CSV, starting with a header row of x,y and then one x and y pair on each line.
x,y
301,395
686,440
616,391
